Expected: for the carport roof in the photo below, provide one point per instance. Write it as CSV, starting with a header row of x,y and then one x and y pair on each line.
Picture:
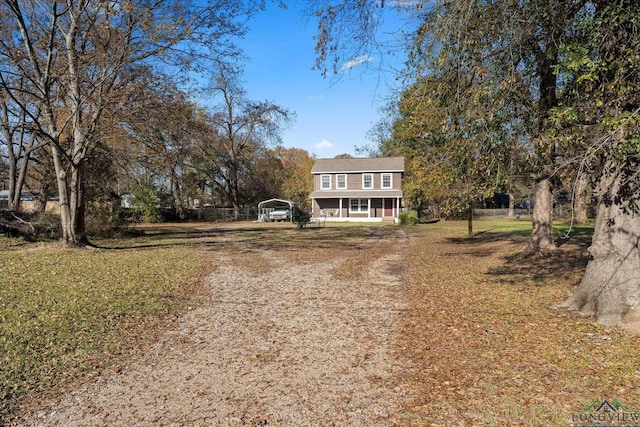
x,y
281,201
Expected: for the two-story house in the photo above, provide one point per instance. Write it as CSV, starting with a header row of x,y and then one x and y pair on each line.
x,y
357,189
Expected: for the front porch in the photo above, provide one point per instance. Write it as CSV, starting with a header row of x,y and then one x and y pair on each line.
x,y
355,209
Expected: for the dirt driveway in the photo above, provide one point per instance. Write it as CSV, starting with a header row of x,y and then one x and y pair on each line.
x,y
278,339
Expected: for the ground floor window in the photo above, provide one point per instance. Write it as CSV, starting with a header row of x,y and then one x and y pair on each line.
x,y
359,205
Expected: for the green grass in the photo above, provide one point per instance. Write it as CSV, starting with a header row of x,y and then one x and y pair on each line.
x,y
65,312
511,229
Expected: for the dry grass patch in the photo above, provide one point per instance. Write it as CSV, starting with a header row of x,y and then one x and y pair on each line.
x,y
484,345
66,314
475,336
364,252
275,340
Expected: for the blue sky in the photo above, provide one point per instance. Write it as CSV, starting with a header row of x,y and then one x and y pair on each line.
x,y
331,116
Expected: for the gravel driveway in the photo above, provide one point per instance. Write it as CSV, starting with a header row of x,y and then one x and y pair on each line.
x,y
274,342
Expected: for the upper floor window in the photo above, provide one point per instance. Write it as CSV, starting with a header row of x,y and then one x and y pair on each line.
x,y
367,180
386,180
341,182
325,182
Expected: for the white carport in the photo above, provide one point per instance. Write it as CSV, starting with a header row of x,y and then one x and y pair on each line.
x,y
267,206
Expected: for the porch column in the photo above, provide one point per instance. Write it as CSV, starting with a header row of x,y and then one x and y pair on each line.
x,y
340,208
313,207
369,210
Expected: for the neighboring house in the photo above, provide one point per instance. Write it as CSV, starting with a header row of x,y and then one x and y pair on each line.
x,y
25,197
127,200
357,189
28,202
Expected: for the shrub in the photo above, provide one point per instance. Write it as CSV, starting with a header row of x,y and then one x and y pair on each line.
x,y
408,217
41,225
145,207
300,216
104,217
48,225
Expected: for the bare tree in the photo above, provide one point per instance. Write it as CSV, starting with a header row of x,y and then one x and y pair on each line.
x,y
165,123
74,55
20,140
239,129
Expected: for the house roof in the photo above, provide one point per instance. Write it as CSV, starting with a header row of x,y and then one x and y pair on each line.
x,y
374,164
25,197
361,194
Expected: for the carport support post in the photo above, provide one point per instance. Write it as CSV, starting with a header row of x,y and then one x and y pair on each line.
x,y
291,212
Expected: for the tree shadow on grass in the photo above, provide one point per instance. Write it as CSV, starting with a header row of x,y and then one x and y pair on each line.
x,y
579,235
529,268
247,239
481,243
525,267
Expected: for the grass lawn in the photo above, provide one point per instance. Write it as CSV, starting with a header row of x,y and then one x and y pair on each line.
x,y
67,315
481,340
71,313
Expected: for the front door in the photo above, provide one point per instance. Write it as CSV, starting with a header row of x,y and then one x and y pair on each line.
x,y
388,207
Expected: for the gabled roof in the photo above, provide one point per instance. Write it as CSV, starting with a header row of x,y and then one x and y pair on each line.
x,y
276,201
332,194
374,164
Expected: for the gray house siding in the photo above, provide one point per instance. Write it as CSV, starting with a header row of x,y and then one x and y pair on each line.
x,y
358,189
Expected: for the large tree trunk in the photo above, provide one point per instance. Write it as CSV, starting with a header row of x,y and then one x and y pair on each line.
x,y
14,189
512,205
63,194
76,190
610,287
581,198
71,200
542,233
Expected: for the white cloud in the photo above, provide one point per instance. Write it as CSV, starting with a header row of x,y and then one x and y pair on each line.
x,y
409,4
356,61
324,144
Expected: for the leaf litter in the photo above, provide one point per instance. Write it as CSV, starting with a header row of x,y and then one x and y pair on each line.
x,y
393,326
